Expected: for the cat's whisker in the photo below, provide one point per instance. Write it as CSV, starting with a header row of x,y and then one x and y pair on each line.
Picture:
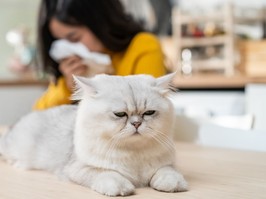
x,y
167,138
166,141
162,139
168,148
113,143
161,142
116,140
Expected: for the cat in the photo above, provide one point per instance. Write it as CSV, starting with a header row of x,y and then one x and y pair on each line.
x,y
116,139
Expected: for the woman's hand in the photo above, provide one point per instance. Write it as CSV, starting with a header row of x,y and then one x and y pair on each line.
x,y
72,65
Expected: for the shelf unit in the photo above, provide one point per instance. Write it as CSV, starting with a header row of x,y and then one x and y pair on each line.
x,y
225,16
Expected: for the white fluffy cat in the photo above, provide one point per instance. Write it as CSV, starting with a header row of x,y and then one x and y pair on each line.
x,y
116,139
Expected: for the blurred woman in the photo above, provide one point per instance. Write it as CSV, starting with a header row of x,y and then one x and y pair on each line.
x,y
102,26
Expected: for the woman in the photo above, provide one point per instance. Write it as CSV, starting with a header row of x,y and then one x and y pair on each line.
x,y
102,26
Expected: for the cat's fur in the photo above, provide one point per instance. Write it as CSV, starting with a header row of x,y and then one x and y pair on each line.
x,y
92,146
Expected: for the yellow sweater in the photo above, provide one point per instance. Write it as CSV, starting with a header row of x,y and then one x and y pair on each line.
x,y
143,56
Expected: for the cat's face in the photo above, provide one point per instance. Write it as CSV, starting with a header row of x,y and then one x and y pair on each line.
x,y
131,111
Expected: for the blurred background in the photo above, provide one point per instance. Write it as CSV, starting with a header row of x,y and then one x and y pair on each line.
x,y
214,35
217,47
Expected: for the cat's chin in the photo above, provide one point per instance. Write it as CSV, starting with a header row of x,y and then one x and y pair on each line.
x,y
136,141
136,133
135,136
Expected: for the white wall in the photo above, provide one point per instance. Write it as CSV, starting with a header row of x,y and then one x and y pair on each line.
x,y
14,13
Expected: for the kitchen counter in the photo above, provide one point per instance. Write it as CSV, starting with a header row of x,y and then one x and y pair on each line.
x,y
196,81
215,81
23,81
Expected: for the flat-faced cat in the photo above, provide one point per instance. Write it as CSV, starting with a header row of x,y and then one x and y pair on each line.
x,y
116,139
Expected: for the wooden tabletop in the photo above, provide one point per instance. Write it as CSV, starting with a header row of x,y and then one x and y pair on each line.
x,y
212,173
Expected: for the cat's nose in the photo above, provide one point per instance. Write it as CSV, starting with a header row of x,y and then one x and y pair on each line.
x,y
136,124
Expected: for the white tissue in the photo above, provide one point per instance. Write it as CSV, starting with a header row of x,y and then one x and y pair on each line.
x,y
62,48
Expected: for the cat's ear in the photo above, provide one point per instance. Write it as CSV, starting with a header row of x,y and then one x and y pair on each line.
x,y
165,83
83,86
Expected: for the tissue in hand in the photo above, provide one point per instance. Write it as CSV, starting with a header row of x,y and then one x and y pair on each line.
x,y
62,48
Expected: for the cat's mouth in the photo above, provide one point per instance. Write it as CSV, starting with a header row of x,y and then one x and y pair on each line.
x,y
136,133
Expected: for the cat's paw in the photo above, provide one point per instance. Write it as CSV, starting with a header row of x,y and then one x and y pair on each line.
x,y
112,184
168,180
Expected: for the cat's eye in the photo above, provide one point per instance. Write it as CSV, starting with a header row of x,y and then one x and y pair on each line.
x,y
120,114
151,112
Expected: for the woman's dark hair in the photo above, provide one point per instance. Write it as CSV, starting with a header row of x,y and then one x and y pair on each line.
x,y
105,18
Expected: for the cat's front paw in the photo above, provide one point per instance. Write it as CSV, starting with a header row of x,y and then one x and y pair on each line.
x,y
168,180
113,184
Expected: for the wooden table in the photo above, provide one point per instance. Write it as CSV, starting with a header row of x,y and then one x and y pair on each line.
x,y
211,172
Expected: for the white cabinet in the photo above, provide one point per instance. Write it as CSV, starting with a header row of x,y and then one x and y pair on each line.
x,y
229,119
256,104
16,101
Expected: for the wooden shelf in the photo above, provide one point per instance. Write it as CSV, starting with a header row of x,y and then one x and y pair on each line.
x,y
225,15
203,41
247,20
258,16
218,17
208,64
186,19
215,81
